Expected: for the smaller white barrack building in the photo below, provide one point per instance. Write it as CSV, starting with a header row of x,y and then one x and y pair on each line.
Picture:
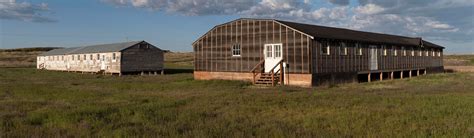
x,y
117,58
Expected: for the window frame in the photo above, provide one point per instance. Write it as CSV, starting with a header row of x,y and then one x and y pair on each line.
x,y
384,50
343,49
404,51
236,50
395,51
325,48
358,49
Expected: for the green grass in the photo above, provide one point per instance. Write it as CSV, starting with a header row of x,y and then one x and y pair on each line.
x,y
46,103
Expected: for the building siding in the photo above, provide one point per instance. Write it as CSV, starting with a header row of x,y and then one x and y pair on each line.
x,y
213,52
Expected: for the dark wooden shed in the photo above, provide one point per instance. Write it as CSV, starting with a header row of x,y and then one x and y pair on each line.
x,y
267,51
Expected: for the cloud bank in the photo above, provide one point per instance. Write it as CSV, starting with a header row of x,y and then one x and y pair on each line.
x,y
447,20
24,11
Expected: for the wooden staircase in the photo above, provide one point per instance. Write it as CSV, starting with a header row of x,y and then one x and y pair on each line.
x,y
41,66
272,78
266,79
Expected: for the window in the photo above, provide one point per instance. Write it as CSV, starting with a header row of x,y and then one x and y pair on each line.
x,y
72,57
412,52
325,49
269,51
420,52
103,57
404,51
277,51
98,57
433,53
343,48
358,49
85,57
395,52
439,53
113,56
427,53
384,49
236,50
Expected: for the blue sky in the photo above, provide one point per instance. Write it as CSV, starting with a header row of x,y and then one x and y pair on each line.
x,y
175,24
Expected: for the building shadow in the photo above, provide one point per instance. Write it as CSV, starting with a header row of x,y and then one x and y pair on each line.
x,y
178,70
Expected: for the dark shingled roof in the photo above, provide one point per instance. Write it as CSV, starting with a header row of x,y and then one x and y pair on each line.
x,y
115,47
347,34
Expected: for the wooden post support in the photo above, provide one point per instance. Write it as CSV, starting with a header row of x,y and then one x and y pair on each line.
x,y
368,78
425,72
401,74
142,73
281,73
381,76
273,78
409,74
391,75
162,72
149,73
417,72
120,74
155,73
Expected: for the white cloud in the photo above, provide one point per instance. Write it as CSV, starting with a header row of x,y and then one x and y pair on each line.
x,y
427,18
369,9
24,11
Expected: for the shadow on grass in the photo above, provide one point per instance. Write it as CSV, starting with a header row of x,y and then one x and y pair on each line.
x,y
178,71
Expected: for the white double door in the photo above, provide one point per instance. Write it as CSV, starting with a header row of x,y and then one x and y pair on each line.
x,y
273,54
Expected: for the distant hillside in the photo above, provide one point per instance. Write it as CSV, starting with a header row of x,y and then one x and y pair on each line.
x,y
26,57
32,49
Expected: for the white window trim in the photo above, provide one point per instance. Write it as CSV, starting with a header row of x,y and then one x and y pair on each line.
x,y
328,49
395,51
343,49
404,51
358,49
239,49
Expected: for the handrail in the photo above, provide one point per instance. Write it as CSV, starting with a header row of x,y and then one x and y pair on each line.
x,y
280,63
255,68
277,64
272,71
258,65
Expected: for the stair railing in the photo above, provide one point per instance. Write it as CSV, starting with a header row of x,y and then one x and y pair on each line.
x,y
260,66
41,66
273,72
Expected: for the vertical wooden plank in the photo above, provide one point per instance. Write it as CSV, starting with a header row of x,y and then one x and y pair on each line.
x,y
226,45
286,44
206,53
241,45
253,42
308,53
294,50
302,53
212,52
221,52
260,45
249,45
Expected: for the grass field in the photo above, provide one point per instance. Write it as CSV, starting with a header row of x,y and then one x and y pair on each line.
x,y
46,103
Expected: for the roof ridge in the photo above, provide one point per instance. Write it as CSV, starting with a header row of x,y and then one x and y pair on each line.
x,y
331,27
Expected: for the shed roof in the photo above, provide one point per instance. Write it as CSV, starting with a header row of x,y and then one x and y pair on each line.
x,y
102,48
316,31
347,34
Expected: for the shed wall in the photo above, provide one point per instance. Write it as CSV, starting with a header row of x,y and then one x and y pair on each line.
x,y
213,51
138,58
